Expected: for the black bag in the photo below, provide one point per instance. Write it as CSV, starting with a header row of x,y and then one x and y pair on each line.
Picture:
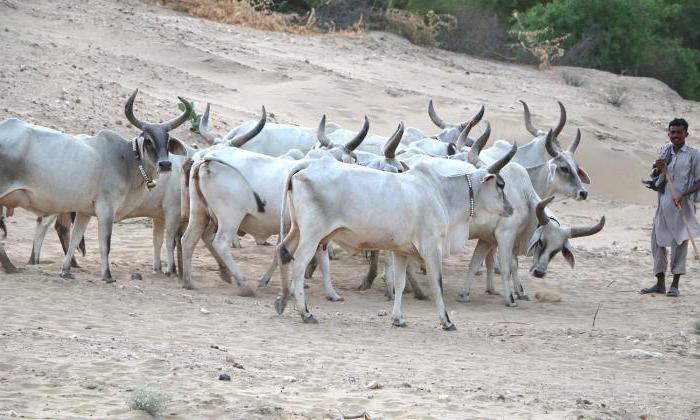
x,y
655,174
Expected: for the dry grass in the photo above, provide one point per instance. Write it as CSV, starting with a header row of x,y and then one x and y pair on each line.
x,y
254,13
616,96
417,29
572,79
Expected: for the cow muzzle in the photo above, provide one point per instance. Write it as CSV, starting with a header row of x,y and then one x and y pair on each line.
x,y
537,272
165,165
582,195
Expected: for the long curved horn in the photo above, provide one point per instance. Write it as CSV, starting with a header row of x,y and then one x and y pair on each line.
x,y
129,111
434,116
577,232
562,120
475,120
542,218
352,144
549,144
473,154
393,142
463,139
204,127
242,139
176,122
528,119
495,167
577,140
321,133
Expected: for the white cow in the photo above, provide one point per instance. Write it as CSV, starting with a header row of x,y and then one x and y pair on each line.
x,y
534,152
48,172
240,190
509,234
274,140
421,213
444,144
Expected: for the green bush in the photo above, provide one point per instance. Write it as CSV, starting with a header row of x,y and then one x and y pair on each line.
x,y
631,38
148,400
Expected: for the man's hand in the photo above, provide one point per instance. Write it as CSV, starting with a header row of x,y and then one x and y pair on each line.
x,y
679,200
660,165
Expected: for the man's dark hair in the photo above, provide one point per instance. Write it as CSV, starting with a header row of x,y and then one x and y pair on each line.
x,y
679,121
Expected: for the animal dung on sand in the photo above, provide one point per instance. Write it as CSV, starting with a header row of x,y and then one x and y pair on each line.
x,y
547,297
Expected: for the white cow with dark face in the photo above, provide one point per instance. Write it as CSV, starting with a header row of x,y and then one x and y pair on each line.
x,y
108,176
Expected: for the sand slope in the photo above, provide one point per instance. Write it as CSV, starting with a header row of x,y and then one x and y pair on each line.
x,y
73,349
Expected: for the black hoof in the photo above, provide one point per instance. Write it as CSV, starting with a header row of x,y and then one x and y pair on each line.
x,y
108,280
67,275
449,327
280,304
463,298
335,298
309,319
401,323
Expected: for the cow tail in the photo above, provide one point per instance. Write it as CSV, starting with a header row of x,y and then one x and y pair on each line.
x,y
259,202
285,256
3,228
185,191
198,190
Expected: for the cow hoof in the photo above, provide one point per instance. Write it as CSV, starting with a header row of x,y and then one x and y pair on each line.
x,y
523,296
491,292
32,261
463,298
157,270
172,273
67,275
108,280
449,327
399,322
335,298
364,286
280,304
188,286
511,305
11,270
309,319
264,281
246,291
223,275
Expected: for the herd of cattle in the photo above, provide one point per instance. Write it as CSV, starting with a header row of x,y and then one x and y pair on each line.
x,y
416,198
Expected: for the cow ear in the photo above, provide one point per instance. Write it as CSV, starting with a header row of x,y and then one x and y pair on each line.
x,y
568,253
583,175
404,166
534,240
177,147
488,177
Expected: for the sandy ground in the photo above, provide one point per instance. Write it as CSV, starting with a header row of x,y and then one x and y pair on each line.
x,y
78,348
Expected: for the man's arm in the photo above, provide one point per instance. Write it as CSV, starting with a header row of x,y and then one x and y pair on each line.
x,y
692,190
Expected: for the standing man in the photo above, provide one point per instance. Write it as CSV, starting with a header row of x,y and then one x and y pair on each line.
x,y
679,164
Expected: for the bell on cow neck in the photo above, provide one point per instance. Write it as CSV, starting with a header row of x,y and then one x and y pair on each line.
x,y
151,184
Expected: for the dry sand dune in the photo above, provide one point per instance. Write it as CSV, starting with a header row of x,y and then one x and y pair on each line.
x,y
73,349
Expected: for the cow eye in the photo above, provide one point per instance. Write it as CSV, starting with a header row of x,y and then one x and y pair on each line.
x,y
565,169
